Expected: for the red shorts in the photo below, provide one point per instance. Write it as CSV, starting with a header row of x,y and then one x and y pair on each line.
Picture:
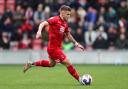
x,y
56,54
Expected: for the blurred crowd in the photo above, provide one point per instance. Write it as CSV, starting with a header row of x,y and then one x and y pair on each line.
x,y
96,24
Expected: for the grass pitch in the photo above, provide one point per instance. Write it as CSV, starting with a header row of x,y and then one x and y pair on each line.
x,y
104,77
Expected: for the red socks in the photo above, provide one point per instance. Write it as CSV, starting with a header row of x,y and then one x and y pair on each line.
x,y
44,63
73,72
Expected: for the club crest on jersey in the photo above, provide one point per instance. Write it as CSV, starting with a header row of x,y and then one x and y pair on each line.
x,y
61,29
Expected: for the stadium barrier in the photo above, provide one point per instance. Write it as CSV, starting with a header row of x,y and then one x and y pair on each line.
x,y
76,57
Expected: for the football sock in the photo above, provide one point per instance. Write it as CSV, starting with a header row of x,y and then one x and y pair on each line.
x,y
73,72
44,63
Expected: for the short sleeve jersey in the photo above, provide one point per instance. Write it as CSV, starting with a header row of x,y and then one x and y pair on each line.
x,y
57,28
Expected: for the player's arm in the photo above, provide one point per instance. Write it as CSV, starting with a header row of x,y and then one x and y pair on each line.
x,y
70,37
40,28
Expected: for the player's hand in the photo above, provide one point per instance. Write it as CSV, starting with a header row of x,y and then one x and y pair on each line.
x,y
79,46
38,35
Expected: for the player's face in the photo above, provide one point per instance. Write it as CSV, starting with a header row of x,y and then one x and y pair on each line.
x,y
66,15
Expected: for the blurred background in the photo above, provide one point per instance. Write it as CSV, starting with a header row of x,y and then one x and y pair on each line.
x,y
101,26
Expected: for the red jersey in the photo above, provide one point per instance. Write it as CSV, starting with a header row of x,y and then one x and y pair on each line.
x,y
57,28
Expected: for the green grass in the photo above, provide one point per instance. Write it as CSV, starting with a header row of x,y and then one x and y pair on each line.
x,y
104,77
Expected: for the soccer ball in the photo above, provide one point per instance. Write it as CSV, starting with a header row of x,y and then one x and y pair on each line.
x,y
86,79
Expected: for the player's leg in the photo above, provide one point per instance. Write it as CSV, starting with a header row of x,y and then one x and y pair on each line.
x,y
43,63
63,60
71,69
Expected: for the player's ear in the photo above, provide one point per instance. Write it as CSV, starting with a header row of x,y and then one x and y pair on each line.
x,y
59,11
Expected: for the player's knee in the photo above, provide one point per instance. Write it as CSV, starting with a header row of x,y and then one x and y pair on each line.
x,y
66,63
52,64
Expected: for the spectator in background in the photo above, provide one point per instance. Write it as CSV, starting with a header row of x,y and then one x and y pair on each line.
x,y
111,16
39,14
102,12
79,36
7,14
6,22
112,37
122,22
18,16
100,43
27,27
91,17
29,13
4,41
123,26
101,39
90,37
73,20
47,12
102,33
122,30
81,15
123,10
101,20
122,42
7,25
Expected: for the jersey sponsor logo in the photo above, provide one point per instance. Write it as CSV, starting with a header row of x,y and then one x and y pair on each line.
x,y
61,29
